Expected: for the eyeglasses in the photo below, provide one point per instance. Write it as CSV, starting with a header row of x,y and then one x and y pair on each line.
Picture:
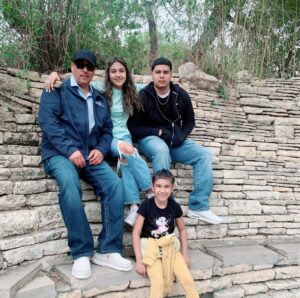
x,y
81,65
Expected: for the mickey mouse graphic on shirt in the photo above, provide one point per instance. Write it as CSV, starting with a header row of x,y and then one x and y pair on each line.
x,y
162,227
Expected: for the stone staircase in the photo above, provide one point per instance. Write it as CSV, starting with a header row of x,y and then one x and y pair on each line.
x,y
221,270
254,136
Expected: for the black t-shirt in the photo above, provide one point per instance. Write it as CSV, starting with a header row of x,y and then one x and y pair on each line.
x,y
159,222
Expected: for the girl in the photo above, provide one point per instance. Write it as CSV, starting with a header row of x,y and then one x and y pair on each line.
x,y
123,98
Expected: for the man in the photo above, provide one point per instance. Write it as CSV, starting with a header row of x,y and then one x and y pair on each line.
x,y
161,130
77,133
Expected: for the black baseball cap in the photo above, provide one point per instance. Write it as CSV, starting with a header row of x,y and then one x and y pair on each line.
x,y
161,61
86,55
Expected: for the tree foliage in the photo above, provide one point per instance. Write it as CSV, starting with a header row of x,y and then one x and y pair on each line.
x,y
221,36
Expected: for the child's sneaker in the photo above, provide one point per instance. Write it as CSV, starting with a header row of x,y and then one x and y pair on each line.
x,y
131,217
81,268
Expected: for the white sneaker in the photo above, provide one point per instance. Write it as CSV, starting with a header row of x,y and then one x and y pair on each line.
x,y
131,217
206,215
82,268
112,260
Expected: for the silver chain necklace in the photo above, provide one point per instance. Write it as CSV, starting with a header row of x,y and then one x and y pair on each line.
x,y
163,104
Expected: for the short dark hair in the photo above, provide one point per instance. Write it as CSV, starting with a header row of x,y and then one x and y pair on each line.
x,y
161,61
163,174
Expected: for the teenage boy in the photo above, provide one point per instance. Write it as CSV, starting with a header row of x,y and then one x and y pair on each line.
x,y
162,129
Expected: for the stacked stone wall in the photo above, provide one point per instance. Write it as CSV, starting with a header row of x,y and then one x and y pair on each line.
x,y
254,136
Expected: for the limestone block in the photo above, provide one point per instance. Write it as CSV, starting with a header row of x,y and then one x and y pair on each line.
x,y
232,292
25,118
257,225
282,284
41,199
222,282
253,218
34,92
238,226
44,236
10,161
21,254
1,137
245,88
287,121
73,294
193,78
267,146
6,188
254,288
233,195
31,160
204,286
274,231
258,195
27,139
282,131
27,187
274,209
11,201
281,294
17,222
242,232
27,173
6,244
136,293
231,269
295,292
13,84
191,232
254,276
261,119
255,102
50,217
93,211
244,207
56,247
289,153
231,174
287,272
212,231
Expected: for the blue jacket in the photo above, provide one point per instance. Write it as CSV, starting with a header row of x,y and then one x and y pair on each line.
x,y
63,118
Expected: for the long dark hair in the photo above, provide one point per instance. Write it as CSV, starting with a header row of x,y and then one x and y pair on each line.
x,y
131,99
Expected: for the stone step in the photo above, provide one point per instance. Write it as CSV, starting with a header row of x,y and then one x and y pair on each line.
x,y
12,281
40,287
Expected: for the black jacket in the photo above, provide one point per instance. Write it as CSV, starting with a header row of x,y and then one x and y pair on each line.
x,y
175,127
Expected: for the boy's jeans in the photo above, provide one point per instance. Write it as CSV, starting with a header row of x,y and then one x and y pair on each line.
x,y
108,185
189,153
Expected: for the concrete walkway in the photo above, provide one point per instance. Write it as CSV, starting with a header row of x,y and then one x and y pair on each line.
x,y
221,270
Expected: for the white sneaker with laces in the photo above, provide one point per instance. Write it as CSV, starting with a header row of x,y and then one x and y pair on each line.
x,y
131,217
112,260
81,268
206,215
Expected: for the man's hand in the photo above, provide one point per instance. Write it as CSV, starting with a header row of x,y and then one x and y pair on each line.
x,y
77,159
52,79
95,157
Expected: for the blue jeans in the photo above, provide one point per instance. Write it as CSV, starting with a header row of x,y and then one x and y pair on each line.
x,y
135,173
106,184
189,153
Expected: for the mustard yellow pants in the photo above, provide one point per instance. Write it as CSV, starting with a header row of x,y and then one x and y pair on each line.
x,y
181,272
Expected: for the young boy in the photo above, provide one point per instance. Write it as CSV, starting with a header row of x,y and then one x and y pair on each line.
x,y
156,248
